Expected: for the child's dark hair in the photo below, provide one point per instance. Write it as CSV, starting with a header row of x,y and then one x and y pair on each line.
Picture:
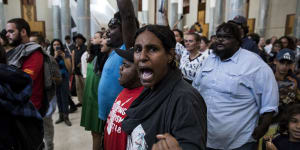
x,y
287,116
278,42
204,39
181,35
179,31
40,38
2,55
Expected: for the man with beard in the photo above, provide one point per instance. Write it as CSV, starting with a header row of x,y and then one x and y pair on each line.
x,y
239,89
121,35
27,56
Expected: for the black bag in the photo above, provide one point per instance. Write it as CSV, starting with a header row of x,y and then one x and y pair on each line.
x,y
29,133
20,133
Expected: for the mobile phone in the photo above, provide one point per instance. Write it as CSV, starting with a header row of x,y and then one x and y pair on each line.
x,y
60,49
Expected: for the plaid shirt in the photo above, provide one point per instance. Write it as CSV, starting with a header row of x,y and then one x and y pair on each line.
x,y
14,97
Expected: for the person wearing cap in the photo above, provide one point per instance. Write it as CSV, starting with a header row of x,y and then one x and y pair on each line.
x,y
114,137
288,86
247,43
239,89
79,40
120,36
287,83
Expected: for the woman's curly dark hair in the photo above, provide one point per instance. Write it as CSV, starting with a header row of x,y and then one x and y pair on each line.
x,y
291,43
291,111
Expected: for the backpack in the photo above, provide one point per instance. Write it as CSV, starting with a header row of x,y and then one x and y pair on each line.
x,y
51,71
29,133
20,133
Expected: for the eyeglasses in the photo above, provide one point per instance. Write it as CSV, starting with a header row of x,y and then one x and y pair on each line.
x,y
224,37
114,21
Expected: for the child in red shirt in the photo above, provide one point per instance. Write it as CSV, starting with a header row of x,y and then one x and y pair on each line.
x,y
114,137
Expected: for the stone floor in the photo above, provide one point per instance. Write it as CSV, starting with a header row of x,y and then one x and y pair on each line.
x,y
71,138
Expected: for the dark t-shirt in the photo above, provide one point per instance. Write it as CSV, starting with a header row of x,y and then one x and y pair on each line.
x,y
250,45
282,143
78,54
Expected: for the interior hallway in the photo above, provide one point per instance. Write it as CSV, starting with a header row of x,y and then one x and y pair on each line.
x,y
71,138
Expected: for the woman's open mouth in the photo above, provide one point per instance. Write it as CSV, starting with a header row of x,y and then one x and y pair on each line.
x,y
146,74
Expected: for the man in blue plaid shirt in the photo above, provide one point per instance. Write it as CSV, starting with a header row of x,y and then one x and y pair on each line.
x,y
21,123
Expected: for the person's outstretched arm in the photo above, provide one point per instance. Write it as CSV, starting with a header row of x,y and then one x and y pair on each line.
x,y
129,25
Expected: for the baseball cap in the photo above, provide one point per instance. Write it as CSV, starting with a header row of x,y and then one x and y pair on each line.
x,y
286,54
126,54
239,20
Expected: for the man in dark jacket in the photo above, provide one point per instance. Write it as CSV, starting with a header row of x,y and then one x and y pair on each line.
x,y
21,124
247,43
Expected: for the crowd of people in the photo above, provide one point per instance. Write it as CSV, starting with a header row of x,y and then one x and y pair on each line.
x,y
152,87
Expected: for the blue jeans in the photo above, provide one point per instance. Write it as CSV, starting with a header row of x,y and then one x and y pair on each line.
x,y
247,146
62,94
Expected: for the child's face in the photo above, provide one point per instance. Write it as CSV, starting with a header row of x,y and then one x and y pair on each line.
x,y
294,128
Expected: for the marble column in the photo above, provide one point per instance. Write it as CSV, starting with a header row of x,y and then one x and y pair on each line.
x,y
56,19
2,16
136,7
218,14
159,15
180,13
236,7
297,21
262,17
65,19
84,18
173,13
210,7
145,11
